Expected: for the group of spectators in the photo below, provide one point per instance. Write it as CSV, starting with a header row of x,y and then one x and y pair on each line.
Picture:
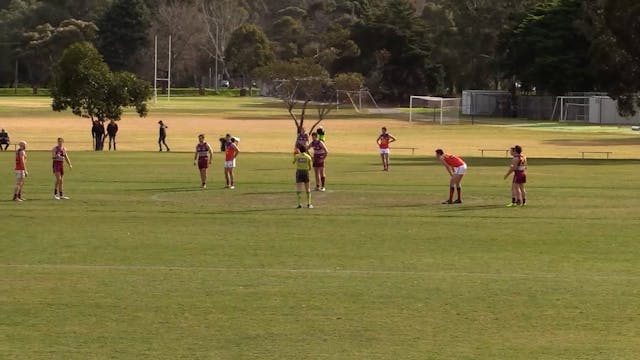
x,y
98,134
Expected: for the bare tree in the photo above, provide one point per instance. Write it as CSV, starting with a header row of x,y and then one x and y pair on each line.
x,y
221,19
183,21
300,84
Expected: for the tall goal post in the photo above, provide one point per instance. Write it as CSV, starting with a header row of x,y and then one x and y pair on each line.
x,y
442,110
155,73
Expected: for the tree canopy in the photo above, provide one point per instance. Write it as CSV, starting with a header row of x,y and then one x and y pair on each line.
x,y
83,82
400,47
248,49
550,49
123,33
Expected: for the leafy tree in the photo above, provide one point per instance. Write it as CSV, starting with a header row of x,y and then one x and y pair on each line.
x,y
549,49
83,83
248,49
123,33
288,35
348,81
15,18
44,45
616,50
398,63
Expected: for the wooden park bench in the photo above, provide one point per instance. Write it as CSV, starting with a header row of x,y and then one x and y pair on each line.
x,y
412,148
482,151
608,153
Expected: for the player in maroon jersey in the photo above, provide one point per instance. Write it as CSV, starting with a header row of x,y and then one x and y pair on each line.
x,y
59,156
320,152
302,139
202,158
21,170
518,167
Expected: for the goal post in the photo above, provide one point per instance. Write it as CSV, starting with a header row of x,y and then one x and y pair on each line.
x,y
360,100
571,108
435,109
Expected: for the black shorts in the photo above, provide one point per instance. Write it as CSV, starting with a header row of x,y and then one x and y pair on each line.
x,y
302,176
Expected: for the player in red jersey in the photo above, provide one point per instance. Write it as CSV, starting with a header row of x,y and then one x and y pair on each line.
x,y
384,139
59,156
320,152
518,167
21,170
231,151
202,159
456,167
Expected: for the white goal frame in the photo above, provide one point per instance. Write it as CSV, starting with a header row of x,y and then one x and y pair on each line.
x,y
564,103
438,100
355,98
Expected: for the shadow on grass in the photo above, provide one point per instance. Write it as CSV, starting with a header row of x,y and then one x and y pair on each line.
x,y
594,142
463,207
169,190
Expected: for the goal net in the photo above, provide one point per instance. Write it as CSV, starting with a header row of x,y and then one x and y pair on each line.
x,y
434,109
571,108
361,101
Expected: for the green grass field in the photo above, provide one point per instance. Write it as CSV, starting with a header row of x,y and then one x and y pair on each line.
x,y
141,264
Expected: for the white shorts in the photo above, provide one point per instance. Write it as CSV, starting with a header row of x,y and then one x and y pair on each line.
x,y
460,170
20,174
230,164
384,151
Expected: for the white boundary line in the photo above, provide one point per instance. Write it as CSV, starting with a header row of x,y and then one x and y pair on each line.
x,y
337,271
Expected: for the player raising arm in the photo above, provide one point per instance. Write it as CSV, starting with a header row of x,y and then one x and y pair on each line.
x,y
456,167
59,156
230,154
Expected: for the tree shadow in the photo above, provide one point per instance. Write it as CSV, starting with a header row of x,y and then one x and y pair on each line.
x,y
626,141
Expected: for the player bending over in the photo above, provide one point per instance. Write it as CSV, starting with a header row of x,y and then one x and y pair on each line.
x,y
202,158
456,168
384,139
59,156
303,161
518,167
21,170
320,152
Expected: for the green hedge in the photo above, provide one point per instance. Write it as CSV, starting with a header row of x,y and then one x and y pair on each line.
x,y
23,92
191,92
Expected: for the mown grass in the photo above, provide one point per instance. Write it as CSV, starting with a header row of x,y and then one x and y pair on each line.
x,y
141,264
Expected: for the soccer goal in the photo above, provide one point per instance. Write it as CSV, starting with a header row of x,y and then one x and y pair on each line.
x,y
571,108
435,109
361,101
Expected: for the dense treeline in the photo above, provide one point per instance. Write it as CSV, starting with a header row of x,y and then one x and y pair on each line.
x,y
400,47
